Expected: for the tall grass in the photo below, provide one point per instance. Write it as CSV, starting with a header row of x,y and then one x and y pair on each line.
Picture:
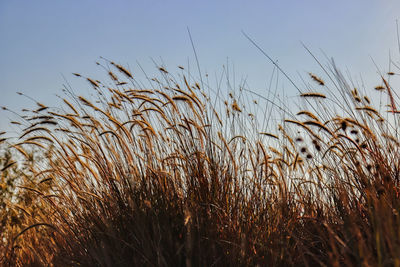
x,y
171,175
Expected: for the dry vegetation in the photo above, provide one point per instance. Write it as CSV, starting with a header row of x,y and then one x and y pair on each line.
x,y
166,176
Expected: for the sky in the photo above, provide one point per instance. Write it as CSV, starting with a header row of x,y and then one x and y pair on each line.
x,y
43,42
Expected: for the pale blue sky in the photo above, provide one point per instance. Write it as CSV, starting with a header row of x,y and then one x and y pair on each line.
x,y
40,41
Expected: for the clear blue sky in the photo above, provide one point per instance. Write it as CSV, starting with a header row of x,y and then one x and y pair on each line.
x,y
40,41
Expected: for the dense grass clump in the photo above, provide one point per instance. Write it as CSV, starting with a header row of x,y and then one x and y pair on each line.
x,y
173,175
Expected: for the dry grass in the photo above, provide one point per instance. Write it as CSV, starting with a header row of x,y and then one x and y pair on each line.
x,y
165,176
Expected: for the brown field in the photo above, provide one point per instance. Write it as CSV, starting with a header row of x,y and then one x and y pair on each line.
x,y
177,174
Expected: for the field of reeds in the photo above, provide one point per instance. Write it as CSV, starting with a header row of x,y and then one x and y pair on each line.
x,y
178,172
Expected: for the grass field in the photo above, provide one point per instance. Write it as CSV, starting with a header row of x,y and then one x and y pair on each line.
x,y
181,173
